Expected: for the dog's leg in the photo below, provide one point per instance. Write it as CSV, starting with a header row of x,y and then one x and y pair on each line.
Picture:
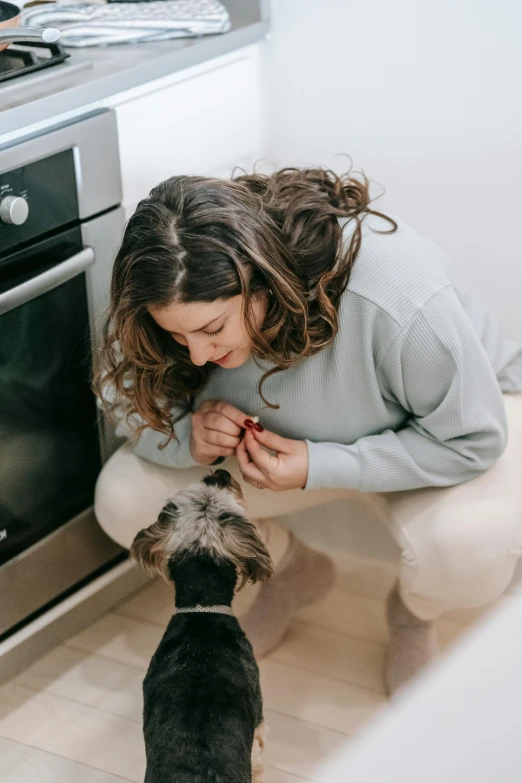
x,y
258,769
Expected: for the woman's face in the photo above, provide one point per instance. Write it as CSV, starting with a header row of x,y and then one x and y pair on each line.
x,y
212,331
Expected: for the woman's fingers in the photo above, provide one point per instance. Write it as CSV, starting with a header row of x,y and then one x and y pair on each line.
x,y
264,461
227,410
216,430
273,442
242,455
220,423
216,438
249,469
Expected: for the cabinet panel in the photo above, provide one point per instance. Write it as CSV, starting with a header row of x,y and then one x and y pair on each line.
x,y
205,124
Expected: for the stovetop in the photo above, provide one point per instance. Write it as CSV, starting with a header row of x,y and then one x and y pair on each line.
x,y
22,65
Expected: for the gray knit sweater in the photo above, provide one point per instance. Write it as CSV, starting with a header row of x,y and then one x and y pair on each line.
x,y
409,393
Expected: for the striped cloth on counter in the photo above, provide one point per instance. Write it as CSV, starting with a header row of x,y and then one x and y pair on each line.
x,y
95,24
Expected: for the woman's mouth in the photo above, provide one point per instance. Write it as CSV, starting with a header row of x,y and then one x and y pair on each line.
x,y
223,360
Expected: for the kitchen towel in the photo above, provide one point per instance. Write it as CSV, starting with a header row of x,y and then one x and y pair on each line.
x,y
95,24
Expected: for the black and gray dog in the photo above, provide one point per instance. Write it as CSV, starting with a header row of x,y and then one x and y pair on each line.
x,y
203,713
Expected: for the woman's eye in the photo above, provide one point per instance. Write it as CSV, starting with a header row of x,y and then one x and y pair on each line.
x,y
212,334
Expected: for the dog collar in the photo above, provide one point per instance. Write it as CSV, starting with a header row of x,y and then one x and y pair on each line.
x,y
212,609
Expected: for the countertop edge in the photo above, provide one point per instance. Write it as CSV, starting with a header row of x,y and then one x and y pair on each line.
x,y
92,92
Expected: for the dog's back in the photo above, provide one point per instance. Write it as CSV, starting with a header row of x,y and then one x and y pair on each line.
x,y
203,707
202,702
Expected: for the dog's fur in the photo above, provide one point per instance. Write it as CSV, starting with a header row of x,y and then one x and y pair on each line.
x,y
202,700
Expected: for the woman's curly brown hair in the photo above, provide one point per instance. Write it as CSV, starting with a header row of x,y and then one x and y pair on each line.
x,y
198,239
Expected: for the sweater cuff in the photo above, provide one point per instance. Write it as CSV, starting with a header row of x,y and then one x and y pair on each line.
x,y
183,429
333,466
176,454
186,460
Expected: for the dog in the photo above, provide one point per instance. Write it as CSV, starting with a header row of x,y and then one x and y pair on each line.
x,y
203,711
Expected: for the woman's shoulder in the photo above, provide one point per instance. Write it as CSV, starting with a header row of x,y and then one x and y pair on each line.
x,y
398,272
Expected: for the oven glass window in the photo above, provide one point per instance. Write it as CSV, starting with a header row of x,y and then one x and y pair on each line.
x,y
49,448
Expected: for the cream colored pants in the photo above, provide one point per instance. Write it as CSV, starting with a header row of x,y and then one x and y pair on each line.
x,y
459,545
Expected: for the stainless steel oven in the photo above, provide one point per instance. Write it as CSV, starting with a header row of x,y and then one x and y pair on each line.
x,y
60,222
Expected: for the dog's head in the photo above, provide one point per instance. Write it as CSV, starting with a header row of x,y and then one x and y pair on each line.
x,y
205,518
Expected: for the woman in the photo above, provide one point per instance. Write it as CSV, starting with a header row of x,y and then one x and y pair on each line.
x,y
289,298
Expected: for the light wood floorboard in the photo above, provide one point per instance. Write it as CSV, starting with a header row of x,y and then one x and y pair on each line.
x,y
75,715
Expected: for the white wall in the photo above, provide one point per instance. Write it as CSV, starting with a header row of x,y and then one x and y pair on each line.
x,y
426,98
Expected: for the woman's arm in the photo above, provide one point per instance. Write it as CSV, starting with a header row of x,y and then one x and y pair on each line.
x,y
176,453
437,370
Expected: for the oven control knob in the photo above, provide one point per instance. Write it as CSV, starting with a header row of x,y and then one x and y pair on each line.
x,y
14,210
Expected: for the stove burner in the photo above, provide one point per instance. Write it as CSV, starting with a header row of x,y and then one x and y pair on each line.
x,y
19,60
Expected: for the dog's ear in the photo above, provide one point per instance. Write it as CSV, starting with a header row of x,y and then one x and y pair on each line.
x,y
245,548
150,546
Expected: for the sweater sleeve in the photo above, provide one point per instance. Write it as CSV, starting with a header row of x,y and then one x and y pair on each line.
x,y
438,372
176,453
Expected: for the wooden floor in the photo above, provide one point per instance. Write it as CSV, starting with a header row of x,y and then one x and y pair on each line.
x,y
75,715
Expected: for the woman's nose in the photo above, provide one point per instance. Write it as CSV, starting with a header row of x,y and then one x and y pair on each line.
x,y
200,353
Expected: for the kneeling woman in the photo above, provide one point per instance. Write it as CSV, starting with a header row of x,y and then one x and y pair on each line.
x,y
288,298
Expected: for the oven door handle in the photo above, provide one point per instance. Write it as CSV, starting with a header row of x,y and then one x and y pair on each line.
x,y
48,280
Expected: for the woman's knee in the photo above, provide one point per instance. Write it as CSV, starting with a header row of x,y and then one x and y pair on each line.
x,y
117,508
466,556
130,493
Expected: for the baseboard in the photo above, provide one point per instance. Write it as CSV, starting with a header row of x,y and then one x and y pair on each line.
x,y
20,650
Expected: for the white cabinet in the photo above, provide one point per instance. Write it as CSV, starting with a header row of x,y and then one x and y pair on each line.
x,y
204,120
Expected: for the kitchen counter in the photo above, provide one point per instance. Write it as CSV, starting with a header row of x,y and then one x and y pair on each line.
x,y
111,70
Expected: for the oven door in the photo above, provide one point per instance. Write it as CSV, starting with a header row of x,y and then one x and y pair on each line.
x,y
49,428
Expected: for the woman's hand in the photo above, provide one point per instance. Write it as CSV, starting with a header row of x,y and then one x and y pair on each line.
x,y
286,469
216,431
